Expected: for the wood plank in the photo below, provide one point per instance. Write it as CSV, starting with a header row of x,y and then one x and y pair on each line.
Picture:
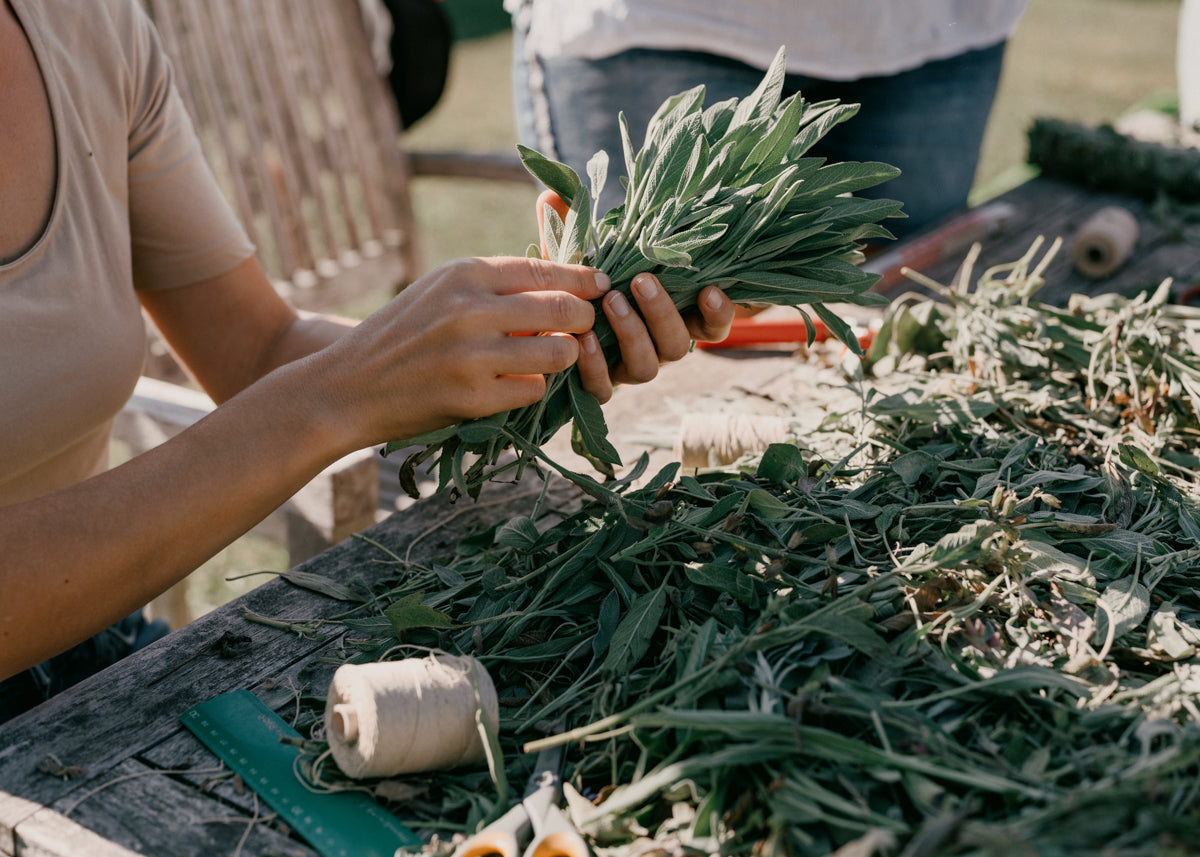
x,y
126,719
1052,208
141,810
181,750
13,811
470,165
49,834
1041,209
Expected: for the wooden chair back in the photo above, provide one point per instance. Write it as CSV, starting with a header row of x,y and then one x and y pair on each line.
x,y
303,136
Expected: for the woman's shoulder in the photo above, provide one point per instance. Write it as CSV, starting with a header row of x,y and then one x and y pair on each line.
x,y
105,54
96,32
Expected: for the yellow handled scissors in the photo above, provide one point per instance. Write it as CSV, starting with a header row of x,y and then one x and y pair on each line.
x,y
537,819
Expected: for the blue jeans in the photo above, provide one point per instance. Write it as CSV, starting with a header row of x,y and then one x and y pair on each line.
x,y
928,122
34,686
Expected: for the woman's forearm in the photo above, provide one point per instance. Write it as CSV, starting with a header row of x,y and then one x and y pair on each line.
x,y
79,559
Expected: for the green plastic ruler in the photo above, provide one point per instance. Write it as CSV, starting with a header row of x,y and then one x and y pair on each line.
x,y
245,734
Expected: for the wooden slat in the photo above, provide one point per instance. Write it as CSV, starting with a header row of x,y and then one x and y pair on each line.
x,y
470,165
47,833
14,811
354,138
199,91
272,184
278,99
314,133
301,129
337,51
1053,209
149,812
383,126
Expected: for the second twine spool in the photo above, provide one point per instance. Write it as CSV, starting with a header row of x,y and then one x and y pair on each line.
x,y
1104,242
719,439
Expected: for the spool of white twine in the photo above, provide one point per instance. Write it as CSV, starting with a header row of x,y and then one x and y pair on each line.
x,y
1104,242
717,439
402,717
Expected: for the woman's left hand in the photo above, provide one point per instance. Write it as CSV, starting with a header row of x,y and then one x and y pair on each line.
x,y
652,334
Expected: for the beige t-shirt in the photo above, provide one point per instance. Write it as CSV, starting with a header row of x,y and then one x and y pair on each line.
x,y
134,200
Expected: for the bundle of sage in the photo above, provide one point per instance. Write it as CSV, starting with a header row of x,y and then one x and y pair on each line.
x,y
721,196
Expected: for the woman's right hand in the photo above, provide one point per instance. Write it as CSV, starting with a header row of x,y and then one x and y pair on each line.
x,y
448,349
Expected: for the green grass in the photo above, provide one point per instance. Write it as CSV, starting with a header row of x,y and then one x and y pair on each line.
x,y
1082,60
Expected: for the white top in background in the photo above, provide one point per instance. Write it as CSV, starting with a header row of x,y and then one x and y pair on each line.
x,y
1187,60
830,39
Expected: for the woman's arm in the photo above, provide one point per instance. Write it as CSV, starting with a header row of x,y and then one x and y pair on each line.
x,y
233,329
296,395
79,559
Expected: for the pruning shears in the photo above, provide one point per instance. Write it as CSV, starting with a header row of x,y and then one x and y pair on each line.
x,y
929,248
752,330
537,824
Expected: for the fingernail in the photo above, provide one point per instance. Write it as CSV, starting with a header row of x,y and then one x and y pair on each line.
x,y
603,283
618,305
714,300
589,343
644,285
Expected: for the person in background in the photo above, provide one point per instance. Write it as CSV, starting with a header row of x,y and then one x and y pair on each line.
x,y
107,209
924,71
410,41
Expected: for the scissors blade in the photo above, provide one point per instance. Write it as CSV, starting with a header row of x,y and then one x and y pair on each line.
x,y
504,836
553,833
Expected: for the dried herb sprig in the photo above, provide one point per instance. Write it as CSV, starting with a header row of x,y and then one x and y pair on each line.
x,y
1133,360
721,196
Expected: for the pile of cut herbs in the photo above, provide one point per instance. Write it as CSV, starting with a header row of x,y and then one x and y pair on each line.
x,y
723,196
958,616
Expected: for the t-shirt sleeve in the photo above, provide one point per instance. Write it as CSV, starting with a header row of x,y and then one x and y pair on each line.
x,y
182,228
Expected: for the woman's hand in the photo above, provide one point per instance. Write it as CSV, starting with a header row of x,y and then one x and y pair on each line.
x,y
450,347
654,334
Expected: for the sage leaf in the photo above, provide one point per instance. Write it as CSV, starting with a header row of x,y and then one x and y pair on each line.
x,y
409,613
783,464
322,585
606,623
518,533
631,639
556,176
589,420
1122,607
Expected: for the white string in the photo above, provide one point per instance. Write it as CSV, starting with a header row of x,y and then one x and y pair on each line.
x,y
399,717
719,439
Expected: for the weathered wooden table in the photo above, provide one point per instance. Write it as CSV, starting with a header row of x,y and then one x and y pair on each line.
x,y
1050,208
106,768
